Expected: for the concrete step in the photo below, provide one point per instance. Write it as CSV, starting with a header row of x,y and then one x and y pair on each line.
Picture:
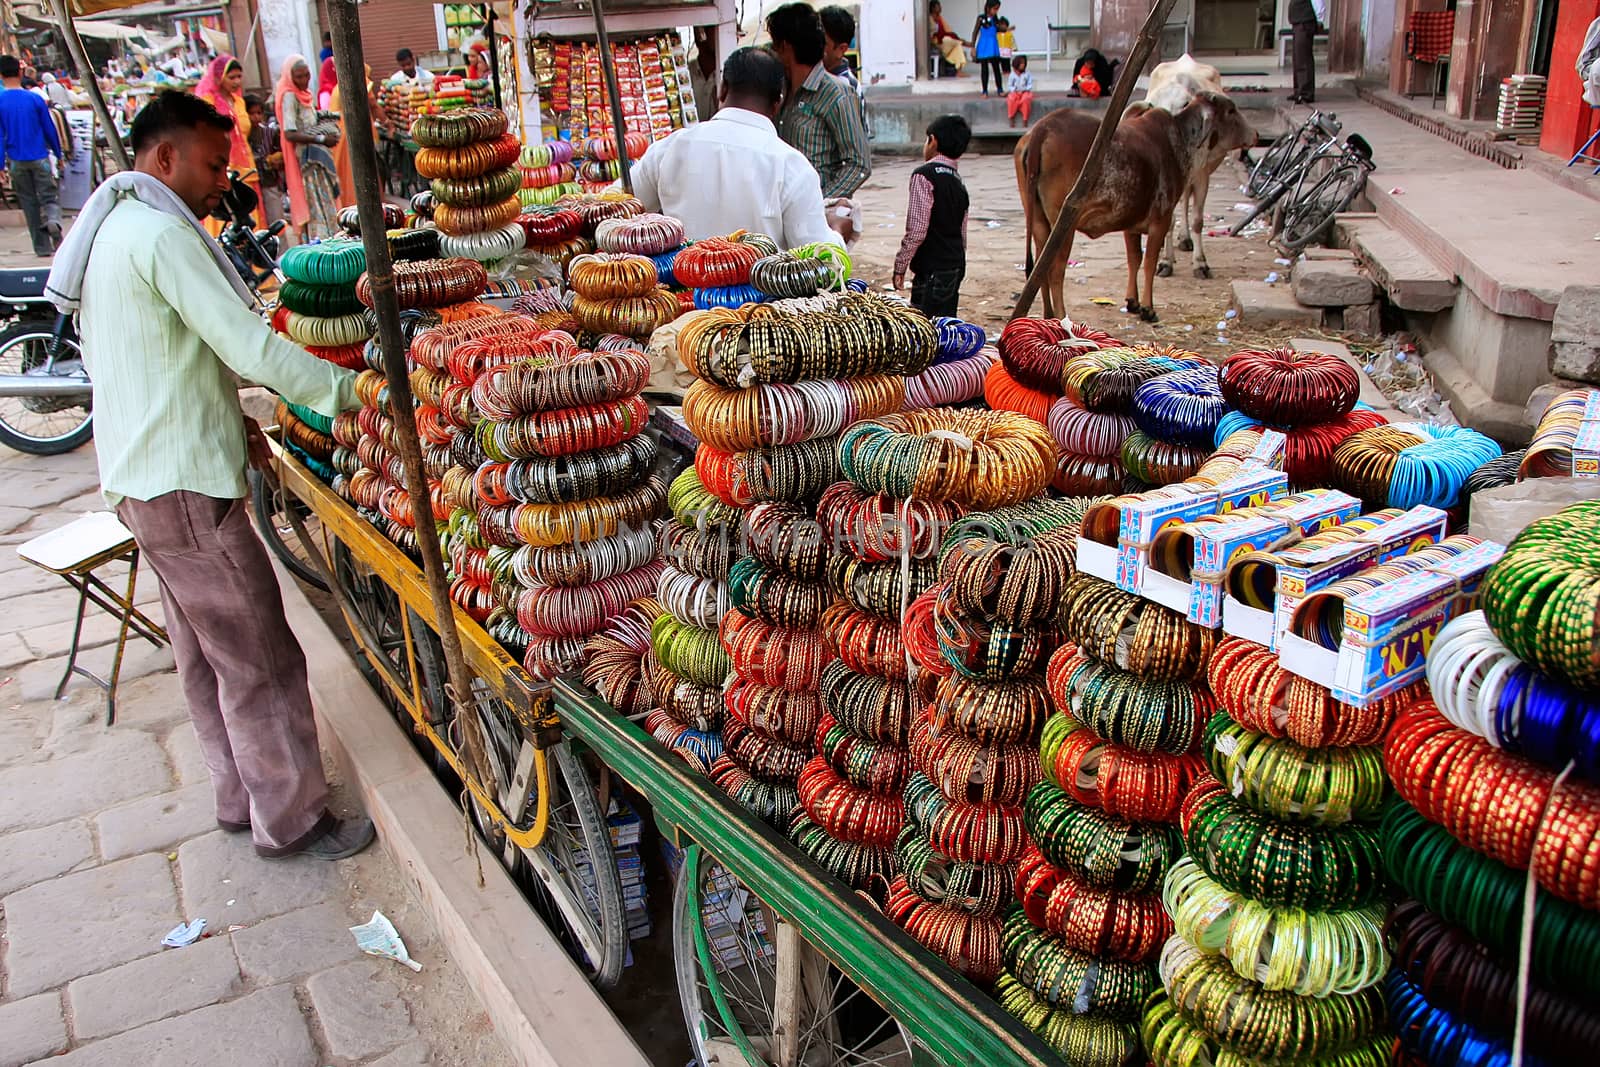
x,y
1509,424
1412,281
1259,302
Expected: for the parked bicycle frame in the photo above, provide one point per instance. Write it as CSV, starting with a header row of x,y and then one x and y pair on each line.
x,y
1313,174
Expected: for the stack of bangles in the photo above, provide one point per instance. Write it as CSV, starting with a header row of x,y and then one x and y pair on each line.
x,y
696,705
972,773
431,283
966,833
992,712
979,888
462,221
693,600
1090,919
958,340
582,562
869,706
1002,392
774,597
690,652
953,382
320,301
485,246
779,473
547,225
1281,864
784,414
547,525
969,943
1261,696
1034,351
565,611
783,535
1498,804
1180,408
803,271
864,643
692,505
648,234
613,659
1171,1040
1481,687
790,659
1126,708
1109,379
432,347
558,380
982,459
1098,848
1287,387
859,815
1277,777
788,716
1138,786
768,759
564,431
983,649
1155,462
1136,635
1062,975
1019,586
1543,598
1267,1025
851,863
1308,449
882,589
1292,950
717,262
1089,1040
878,528
1549,455
1486,899
1406,464
772,802
1460,976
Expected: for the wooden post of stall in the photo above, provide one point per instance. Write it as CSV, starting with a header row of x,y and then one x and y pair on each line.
x,y
494,53
609,65
91,84
1095,161
348,58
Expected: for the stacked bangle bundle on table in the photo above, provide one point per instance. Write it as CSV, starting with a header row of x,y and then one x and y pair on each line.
x,y
318,306
688,667
958,371
717,269
778,382
547,173
953,835
600,166
470,158
1549,455
1498,803
1312,398
1032,352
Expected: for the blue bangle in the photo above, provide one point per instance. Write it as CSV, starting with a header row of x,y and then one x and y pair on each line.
x,y
1183,407
728,296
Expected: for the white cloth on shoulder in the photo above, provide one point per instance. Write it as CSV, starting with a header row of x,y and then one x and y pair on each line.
x,y
65,285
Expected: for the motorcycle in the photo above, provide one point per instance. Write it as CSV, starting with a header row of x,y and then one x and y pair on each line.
x,y
45,393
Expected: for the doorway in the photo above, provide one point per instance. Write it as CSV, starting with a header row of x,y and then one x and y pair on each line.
x,y
1234,26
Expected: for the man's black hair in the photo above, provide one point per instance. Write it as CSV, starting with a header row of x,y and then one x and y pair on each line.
x,y
170,111
798,26
754,72
838,24
9,67
403,55
327,37
951,133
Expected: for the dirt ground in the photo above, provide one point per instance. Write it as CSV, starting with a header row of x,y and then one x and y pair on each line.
x,y
1190,307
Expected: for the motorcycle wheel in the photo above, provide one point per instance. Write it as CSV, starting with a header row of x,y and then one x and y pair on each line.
x,y
24,345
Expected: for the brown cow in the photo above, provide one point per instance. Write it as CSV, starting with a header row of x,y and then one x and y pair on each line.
x,y
1147,168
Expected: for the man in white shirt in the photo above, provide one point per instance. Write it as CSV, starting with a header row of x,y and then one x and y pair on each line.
x,y
732,171
409,73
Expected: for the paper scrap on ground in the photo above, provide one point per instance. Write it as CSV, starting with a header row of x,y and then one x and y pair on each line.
x,y
184,934
378,937
1103,301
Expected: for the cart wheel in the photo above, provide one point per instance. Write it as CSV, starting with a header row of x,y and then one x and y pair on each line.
x,y
574,873
733,957
377,610
278,535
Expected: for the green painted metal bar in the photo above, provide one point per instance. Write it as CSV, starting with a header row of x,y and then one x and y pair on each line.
x,y
956,1022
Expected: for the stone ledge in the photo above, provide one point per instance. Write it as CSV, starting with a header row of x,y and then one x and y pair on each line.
x,y
1473,406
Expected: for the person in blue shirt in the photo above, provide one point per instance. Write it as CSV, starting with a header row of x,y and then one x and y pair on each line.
x,y
28,138
327,48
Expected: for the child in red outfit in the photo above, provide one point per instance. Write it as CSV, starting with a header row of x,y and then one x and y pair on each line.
x,y
1019,91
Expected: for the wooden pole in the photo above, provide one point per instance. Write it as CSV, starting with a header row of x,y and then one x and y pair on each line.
x,y
91,84
350,63
1095,161
494,53
609,66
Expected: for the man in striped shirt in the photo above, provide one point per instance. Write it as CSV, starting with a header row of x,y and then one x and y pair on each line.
x,y
821,116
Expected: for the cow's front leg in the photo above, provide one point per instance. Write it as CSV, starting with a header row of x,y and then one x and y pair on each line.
x,y
1131,242
1158,233
1202,269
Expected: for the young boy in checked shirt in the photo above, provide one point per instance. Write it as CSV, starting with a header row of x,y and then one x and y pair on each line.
x,y
934,248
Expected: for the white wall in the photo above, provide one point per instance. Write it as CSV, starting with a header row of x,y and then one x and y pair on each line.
x,y
1377,33
289,27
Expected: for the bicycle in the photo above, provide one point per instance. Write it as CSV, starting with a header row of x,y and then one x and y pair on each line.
x,y
1319,175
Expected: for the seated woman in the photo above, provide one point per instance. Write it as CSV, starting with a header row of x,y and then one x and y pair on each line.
x,y
945,41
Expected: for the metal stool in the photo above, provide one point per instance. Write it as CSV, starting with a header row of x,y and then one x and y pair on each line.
x,y
75,551
1583,153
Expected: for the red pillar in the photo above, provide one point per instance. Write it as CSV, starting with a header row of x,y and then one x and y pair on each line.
x,y
1568,121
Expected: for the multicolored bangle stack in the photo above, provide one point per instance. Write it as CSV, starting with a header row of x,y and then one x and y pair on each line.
x,y
1406,464
318,306
974,746
471,161
1498,807
1550,453
1278,907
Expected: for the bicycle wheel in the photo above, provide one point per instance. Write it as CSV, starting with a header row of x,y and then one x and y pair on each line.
x,y
1272,163
728,951
376,609
41,425
1310,215
268,505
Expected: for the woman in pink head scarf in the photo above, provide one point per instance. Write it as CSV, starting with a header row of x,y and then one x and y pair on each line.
x,y
222,87
308,169
327,82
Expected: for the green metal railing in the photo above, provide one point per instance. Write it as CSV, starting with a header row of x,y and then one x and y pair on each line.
x,y
952,1021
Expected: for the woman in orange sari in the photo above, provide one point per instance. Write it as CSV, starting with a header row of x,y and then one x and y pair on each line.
x,y
341,151
222,87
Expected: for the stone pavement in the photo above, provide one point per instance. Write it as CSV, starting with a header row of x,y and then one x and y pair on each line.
x,y
108,839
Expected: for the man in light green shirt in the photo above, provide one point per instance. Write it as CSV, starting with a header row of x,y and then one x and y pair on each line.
x,y
167,336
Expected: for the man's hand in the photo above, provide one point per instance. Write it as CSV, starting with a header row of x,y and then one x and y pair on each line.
x,y
899,281
258,452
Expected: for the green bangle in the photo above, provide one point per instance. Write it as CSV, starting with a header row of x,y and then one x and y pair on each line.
x,y
1277,777
1099,849
689,652
1081,1040
1171,1041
